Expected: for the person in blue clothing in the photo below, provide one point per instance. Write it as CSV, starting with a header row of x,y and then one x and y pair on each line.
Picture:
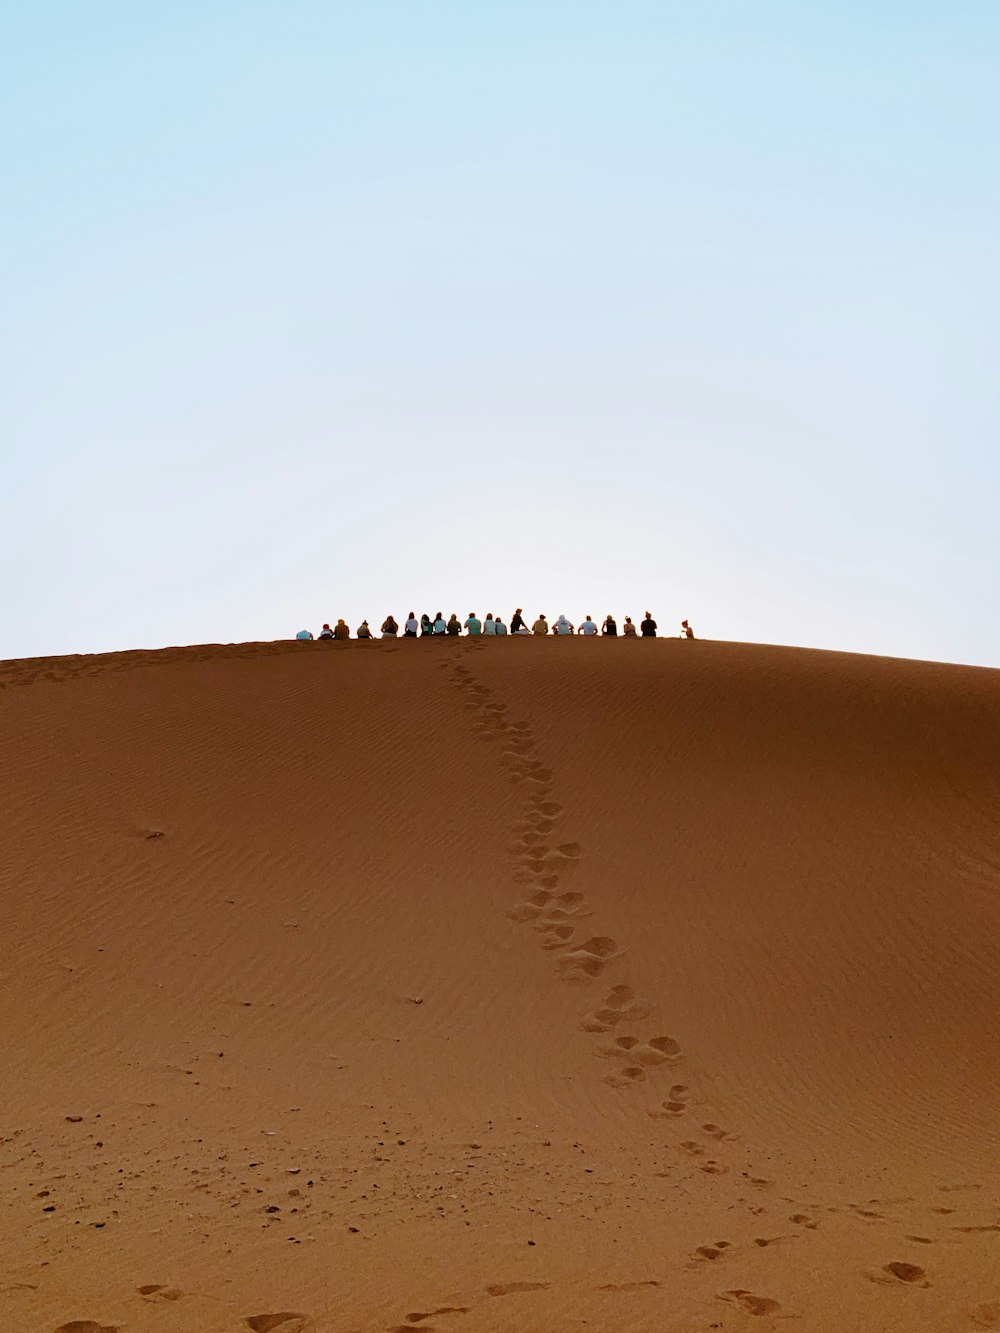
x,y
501,628
473,625
304,635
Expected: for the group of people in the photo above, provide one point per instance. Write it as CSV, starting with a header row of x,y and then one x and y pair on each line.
x,y
493,626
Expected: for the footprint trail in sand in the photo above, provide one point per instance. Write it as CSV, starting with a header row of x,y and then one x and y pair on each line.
x,y
542,867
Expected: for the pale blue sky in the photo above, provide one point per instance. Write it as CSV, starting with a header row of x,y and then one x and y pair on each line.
x,y
317,309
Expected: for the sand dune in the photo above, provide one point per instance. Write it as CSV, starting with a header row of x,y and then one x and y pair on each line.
x,y
521,985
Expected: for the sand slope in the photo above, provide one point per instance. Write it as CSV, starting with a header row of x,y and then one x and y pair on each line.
x,y
519,985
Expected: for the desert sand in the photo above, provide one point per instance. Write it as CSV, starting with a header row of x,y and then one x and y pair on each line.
x,y
518,984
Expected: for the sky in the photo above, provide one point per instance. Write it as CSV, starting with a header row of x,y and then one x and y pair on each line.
x,y
315,309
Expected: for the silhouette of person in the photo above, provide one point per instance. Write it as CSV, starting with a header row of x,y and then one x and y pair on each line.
x,y
648,626
686,631
610,628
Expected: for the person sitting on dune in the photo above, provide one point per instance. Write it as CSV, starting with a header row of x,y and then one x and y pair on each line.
x,y
474,625
439,626
686,631
628,629
648,626
516,621
562,626
587,627
541,625
489,624
500,628
326,632
342,631
454,624
305,635
363,631
411,626
426,625
610,627
389,628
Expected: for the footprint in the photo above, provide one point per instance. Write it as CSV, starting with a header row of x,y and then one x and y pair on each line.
x,y
986,1316
715,1132
665,1046
670,1109
539,897
287,1321
159,1292
600,946
86,1326
558,937
710,1252
581,964
759,1305
629,1075
619,997
655,1051
800,1219
897,1271
572,850
417,1317
620,1048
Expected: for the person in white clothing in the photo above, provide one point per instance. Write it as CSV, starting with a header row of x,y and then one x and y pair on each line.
x,y
562,626
489,624
411,627
587,627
